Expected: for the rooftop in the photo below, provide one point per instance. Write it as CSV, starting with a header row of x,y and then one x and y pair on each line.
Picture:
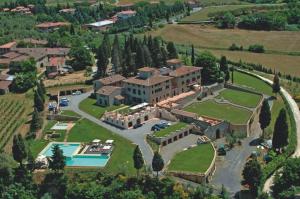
x,y
173,61
9,45
155,79
127,12
11,55
107,90
56,61
52,24
171,129
101,23
147,69
111,79
183,70
5,84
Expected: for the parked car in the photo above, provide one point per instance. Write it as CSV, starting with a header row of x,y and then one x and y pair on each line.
x,y
77,93
63,103
155,128
221,151
64,99
137,125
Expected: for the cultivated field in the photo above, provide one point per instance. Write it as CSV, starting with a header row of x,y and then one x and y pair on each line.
x,y
14,110
276,43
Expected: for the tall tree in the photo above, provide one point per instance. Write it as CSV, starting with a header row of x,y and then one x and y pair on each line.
x,y
19,149
80,57
140,57
156,53
147,55
40,92
252,175
276,84
172,53
281,131
210,72
116,55
35,122
106,45
129,61
224,68
57,162
193,56
138,159
38,102
157,163
102,61
264,116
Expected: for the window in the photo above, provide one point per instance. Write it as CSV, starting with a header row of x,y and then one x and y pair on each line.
x,y
182,82
167,86
144,92
129,89
193,79
134,91
198,77
139,92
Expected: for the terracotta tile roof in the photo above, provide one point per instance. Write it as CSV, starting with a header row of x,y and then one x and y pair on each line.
x,y
35,41
108,90
9,45
147,69
119,97
21,58
111,79
5,84
127,12
11,55
38,53
183,70
174,61
56,61
4,61
52,24
155,79
3,77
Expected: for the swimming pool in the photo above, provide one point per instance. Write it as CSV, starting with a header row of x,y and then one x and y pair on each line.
x,y
73,159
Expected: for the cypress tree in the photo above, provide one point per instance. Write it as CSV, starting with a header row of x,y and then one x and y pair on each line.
x,y
102,61
147,56
140,57
224,67
172,53
157,163
164,56
193,56
264,116
106,45
276,84
35,121
38,102
40,92
57,162
138,159
19,149
252,174
156,53
280,134
116,54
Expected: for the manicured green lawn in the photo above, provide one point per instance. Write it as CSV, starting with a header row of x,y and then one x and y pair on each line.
x,y
70,113
196,159
240,97
170,129
252,82
220,111
89,106
121,159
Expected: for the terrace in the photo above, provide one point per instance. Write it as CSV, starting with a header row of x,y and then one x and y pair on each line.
x,y
171,129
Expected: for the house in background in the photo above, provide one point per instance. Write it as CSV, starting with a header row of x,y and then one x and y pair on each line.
x,y
5,82
51,26
100,25
114,80
125,14
109,95
55,66
5,48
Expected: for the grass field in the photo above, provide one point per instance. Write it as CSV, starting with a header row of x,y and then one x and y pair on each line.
x,y
213,109
196,159
278,44
69,113
240,97
86,131
89,106
252,83
170,129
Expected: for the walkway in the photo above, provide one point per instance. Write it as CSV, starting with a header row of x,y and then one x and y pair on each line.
x,y
137,136
295,109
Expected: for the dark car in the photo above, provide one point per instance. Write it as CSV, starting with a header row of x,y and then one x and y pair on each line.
x,y
137,126
155,128
221,151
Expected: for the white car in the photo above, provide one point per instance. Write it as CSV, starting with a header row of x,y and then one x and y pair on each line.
x,y
77,93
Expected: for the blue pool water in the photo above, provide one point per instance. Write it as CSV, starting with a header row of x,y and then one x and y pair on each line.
x,y
68,149
88,161
78,160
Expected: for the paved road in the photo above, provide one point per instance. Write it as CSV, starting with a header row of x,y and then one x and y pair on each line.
x,y
296,113
137,136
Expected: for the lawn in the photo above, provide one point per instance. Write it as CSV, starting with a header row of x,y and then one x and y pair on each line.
x,y
241,98
252,83
227,112
196,159
170,129
69,113
121,159
89,106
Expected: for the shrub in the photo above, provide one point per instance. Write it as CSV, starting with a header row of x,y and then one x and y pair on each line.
x,y
256,48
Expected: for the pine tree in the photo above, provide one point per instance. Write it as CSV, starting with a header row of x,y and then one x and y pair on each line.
x,y
57,161
281,131
157,163
38,102
72,30
252,174
102,61
116,54
276,84
19,149
35,122
172,53
193,56
138,159
224,67
264,116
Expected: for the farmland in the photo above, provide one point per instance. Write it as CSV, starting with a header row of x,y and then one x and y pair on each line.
x,y
14,110
278,44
